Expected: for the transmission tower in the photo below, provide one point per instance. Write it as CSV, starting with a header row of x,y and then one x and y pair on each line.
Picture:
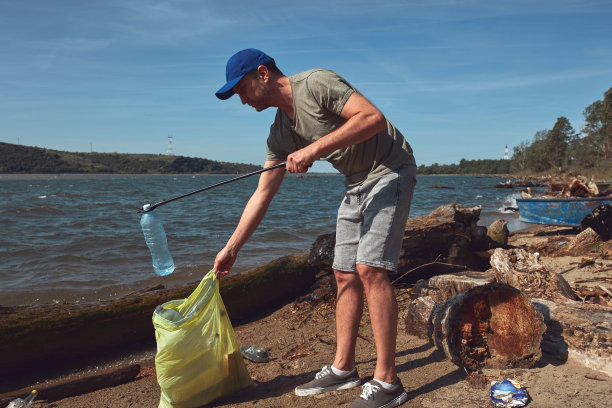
x,y
169,151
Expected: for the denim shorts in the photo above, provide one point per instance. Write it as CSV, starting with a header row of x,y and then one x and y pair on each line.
x,y
371,221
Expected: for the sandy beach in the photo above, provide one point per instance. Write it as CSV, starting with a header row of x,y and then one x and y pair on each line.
x,y
300,338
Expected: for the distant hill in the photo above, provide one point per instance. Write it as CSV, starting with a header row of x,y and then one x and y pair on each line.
x,y
27,159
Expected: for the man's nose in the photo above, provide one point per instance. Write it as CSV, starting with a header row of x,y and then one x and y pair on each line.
x,y
242,99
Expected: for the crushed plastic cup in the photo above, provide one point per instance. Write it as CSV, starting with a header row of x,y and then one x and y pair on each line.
x,y
255,354
508,393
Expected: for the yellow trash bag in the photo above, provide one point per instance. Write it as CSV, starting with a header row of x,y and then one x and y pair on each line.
x,y
198,358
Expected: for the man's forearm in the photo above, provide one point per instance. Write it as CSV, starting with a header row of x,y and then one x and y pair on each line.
x,y
256,208
363,121
357,129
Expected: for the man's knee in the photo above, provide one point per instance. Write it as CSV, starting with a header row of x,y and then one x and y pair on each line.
x,y
371,275
347,279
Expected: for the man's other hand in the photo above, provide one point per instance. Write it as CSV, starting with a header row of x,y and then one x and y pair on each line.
x,y
223,262
300,161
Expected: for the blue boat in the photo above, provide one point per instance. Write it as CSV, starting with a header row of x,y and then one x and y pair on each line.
x,y
558,211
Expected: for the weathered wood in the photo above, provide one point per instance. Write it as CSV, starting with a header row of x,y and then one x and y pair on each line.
x,y
54,335
438,289
491,326
443,287
521,269
78,386
600,220
581,244
579,331
418,318
449,234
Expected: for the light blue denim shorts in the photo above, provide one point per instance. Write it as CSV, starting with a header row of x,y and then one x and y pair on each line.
x,y
371,221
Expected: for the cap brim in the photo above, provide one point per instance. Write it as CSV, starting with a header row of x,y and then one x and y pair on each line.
x,y
227,90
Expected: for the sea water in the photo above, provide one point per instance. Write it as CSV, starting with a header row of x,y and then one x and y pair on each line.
x,y
77,238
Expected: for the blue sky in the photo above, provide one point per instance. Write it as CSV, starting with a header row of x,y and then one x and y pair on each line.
x,y
460,79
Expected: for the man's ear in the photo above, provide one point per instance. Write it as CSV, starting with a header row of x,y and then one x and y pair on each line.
x,y
263,73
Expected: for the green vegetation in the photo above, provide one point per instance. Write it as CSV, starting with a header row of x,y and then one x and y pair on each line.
x,y
481,166
26,159
559,151
564,151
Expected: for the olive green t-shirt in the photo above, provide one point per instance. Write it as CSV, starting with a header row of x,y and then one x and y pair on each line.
x,y
318,98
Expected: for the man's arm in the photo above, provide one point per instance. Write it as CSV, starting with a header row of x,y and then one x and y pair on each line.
x,y
253,213
363,121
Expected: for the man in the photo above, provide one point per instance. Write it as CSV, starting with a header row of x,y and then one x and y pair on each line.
x,y
321,116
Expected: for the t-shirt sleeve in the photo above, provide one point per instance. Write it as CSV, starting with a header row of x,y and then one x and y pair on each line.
x,y
277,146
330,90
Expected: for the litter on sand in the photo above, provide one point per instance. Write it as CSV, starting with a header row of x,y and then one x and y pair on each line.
x,y
255,354
508,393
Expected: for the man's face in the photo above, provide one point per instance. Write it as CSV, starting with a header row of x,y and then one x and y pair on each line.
x,y
252,91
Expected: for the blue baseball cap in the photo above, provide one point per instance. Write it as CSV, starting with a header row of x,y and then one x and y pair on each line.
x,y
238,65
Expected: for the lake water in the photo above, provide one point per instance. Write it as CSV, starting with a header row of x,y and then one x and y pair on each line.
x,y
69,238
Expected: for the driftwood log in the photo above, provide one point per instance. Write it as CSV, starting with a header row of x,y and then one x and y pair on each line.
x,y
449,234
578,331
52,336
82,385
446,237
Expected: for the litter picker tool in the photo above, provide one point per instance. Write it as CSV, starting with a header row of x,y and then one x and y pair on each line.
x,y
154,233
154,206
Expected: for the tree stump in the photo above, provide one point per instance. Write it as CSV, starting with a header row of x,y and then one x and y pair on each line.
x,y
438,289
492,326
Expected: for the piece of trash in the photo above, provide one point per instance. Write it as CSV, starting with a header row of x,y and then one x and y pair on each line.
x,y
255,354
508,393
561,243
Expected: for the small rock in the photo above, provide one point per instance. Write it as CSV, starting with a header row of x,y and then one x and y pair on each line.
x,y
498,234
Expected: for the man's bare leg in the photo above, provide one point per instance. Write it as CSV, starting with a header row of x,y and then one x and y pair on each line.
x,y
382,306
349,309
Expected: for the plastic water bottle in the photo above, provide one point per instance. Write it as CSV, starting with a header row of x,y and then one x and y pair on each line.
x,y
155,236
23,403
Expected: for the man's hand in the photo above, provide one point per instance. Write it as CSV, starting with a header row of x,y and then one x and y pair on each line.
x,y
301,160
223,262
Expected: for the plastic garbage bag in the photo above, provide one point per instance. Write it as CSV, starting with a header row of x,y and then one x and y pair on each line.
x,y
198,358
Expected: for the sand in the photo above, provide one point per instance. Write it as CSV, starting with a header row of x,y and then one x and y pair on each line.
x,y
300,338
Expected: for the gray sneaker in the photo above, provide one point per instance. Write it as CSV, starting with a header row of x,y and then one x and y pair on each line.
x,y
374,395
325,380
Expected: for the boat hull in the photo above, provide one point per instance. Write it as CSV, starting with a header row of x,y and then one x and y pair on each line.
x,y
558,211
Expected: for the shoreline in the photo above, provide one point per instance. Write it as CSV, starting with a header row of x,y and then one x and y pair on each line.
x,y
300,337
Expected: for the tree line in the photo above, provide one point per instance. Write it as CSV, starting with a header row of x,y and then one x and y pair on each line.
x,y
563,150
480,166
35,160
